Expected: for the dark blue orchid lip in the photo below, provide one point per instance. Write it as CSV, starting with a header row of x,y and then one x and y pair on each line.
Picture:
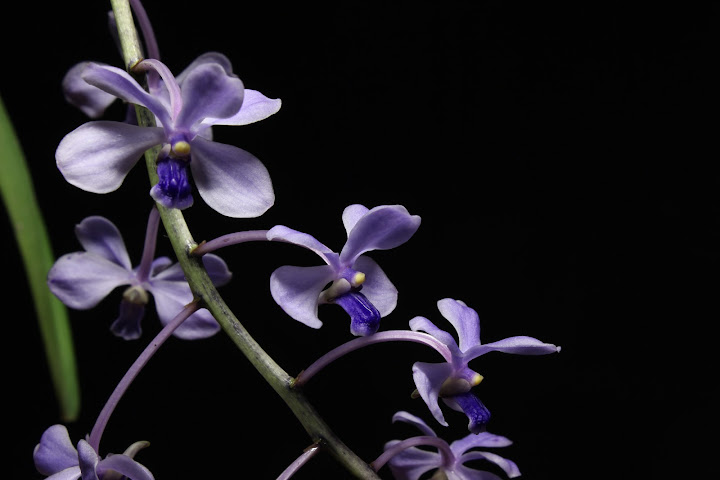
x,y
173,189
477,413
364,317
127,324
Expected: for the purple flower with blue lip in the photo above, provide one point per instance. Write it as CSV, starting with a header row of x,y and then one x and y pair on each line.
x,y
56,457
452,381
356,282
98,155
412,462
82,279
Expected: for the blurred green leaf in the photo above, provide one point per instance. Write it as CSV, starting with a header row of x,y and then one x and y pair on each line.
x,y
19,197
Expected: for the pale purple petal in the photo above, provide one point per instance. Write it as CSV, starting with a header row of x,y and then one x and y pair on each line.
x,y
232,181
412,463
170,298
352,214
422,324
80,280
97,156
462,472
72,473
418,422
255,107
208,91
165,270
89,459
377,286
508,466
296,290
100,236
217,269
285,234
464,319
126,466
199,325
209,57
520,345
429,378
480,440
119,83
55,452
89,99
382,228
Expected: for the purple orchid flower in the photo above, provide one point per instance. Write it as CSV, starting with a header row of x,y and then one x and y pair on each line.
x,y
358,285
410,463
98,155
56,457
452,381
82,279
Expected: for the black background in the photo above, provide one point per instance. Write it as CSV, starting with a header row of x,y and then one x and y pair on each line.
x,y
562,159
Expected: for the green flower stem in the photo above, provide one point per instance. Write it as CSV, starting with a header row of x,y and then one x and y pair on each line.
x,y
208,296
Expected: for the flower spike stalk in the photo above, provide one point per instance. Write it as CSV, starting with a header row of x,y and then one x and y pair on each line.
x,y
380,337
140,362
307,454
208,297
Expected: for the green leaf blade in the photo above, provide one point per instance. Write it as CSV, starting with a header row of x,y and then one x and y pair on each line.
x,y
33,242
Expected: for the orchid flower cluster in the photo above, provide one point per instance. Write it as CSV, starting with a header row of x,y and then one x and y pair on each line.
x,y
177,143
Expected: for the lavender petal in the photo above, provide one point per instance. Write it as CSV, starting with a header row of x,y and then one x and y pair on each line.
x,y
126,466
285,234
230,180
418,422
464,319
508,466
377,286
89,460
412,463
89,99
429,378
119,83
382,228
520,345
480,440
208,91
97,156
352,214
100,236
255,107
296,290
81,280
422,324
55,452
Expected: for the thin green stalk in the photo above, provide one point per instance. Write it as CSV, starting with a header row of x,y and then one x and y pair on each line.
x,y
18,195
203,289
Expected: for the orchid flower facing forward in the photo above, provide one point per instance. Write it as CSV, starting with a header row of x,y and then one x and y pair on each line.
x,y
358,284
409,462
98,155
56,457
82,279
452,381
